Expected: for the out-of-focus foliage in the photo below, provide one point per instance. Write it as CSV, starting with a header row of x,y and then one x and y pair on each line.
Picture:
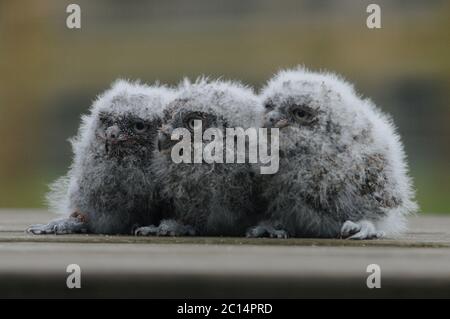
x,y
49,74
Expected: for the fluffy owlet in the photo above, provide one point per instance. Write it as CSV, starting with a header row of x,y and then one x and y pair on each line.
x,y
342,166
206,198
109,187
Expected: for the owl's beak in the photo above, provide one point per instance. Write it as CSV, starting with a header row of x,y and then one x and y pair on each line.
x,y
281,123
275,119
164,142
114,135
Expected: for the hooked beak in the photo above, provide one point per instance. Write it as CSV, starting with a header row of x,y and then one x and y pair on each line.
x,y
165,142
276,120
114,135
281,123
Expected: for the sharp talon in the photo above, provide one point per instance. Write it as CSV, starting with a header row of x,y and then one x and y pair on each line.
x,y
146,231
266,231
360,231
59,227
381,234
134,229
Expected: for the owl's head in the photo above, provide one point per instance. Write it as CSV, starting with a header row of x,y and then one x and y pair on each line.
x,y
313,109
126,134
214,104
124,121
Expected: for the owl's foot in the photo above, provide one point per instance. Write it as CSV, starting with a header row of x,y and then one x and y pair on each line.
x,y
146,231
167,227
361,230
74,224
266,231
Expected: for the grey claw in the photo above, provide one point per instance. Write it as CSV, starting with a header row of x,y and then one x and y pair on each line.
x,y
59,227
266,231
361,230
146,231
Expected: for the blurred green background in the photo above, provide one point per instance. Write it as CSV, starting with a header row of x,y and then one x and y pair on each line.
x,y
49,74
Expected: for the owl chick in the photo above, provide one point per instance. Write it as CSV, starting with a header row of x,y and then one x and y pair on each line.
x,y
109,187
342,165
207,198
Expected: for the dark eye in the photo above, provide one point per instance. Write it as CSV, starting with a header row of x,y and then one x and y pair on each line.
x,y
303,114
190,123
106,121
269,106
140,127
300,114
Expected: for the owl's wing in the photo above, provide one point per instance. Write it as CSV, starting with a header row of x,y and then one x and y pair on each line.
x,y
375,182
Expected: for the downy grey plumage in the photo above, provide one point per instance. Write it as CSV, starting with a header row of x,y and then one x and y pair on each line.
x,y
206,198
343,171
109,187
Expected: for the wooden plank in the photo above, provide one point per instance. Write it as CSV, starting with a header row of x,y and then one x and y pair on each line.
x,y
425,231
416,265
